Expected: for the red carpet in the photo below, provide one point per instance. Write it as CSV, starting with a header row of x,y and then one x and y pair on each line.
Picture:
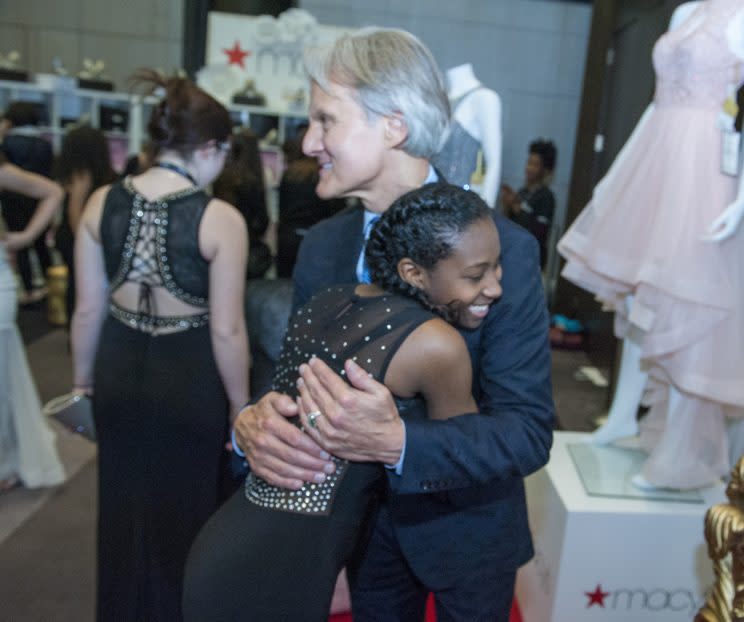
x,y
430,615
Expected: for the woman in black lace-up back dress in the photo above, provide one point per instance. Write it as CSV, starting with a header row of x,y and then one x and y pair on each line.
x,y
159,340
273,554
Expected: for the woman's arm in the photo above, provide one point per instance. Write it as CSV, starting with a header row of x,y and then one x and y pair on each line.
x,y
434,362
35,186
78,190
91,286
224,243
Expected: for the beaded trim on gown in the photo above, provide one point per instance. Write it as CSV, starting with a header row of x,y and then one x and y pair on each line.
x,y
27,443
642,235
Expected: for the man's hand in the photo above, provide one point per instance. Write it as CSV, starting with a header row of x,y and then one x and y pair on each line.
x,y
358,422
277,450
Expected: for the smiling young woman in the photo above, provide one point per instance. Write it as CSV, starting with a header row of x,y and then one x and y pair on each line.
x,y
433,254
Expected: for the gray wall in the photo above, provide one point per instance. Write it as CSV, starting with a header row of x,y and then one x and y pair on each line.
x,y
529,51
125,34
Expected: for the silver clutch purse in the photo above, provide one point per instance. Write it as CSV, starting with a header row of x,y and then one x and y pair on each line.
x,y
75,412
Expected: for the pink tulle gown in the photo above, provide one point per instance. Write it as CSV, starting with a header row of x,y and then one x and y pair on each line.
x,y
641,235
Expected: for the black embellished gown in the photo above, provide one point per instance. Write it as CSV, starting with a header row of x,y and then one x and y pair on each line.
x,y
160,408
271,554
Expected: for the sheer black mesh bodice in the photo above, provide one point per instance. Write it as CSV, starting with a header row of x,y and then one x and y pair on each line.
x,y
155,244
337,325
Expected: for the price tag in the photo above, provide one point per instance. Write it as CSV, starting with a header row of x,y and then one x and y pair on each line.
x,y
730,145
730,138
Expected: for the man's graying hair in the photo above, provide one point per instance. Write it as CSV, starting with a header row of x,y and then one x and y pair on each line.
x,y
392,72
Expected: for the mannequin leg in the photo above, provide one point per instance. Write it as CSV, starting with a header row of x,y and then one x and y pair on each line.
x,y
622,419
673,402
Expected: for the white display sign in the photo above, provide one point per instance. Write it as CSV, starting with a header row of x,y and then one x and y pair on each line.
x,y
264,49
607,557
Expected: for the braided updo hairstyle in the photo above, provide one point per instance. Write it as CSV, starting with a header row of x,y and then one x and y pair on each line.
x,y
186,117
423,225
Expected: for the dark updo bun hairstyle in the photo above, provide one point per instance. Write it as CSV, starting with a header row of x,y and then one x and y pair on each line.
x,y
186,117
423,225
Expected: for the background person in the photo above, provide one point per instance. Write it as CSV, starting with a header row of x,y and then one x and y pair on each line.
x,y
23,147
139,162
159,337
533,205
299,205
83,164
241,184
28,454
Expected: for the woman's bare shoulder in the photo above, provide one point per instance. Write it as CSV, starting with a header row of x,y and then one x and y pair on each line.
x,y
431,350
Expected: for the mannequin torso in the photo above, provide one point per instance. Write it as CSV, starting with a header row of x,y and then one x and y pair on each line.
x,y
479,114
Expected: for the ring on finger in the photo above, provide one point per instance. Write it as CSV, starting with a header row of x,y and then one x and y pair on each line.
x,y
312,416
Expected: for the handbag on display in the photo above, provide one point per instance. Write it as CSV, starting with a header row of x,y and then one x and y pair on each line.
x,y
74,411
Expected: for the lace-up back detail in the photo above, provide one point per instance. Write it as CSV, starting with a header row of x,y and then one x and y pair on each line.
x,y
154,244
144,265
693,62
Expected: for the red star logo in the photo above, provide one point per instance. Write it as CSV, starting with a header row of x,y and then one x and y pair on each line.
x,y
596,597
236,56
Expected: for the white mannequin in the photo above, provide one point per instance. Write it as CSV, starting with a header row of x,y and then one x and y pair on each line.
x,y
621,420
480,115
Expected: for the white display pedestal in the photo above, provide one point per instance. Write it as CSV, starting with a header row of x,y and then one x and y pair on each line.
x,y
607,551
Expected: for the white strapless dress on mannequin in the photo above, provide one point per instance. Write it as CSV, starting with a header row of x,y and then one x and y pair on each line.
x,y
27,443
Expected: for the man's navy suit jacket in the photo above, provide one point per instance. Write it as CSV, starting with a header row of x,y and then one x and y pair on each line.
x,y
460,499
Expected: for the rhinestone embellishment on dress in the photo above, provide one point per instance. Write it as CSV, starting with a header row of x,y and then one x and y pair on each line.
x,y
335,325
310,499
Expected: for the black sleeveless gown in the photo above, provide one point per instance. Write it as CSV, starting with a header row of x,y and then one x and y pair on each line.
x,y
269,554
160,410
